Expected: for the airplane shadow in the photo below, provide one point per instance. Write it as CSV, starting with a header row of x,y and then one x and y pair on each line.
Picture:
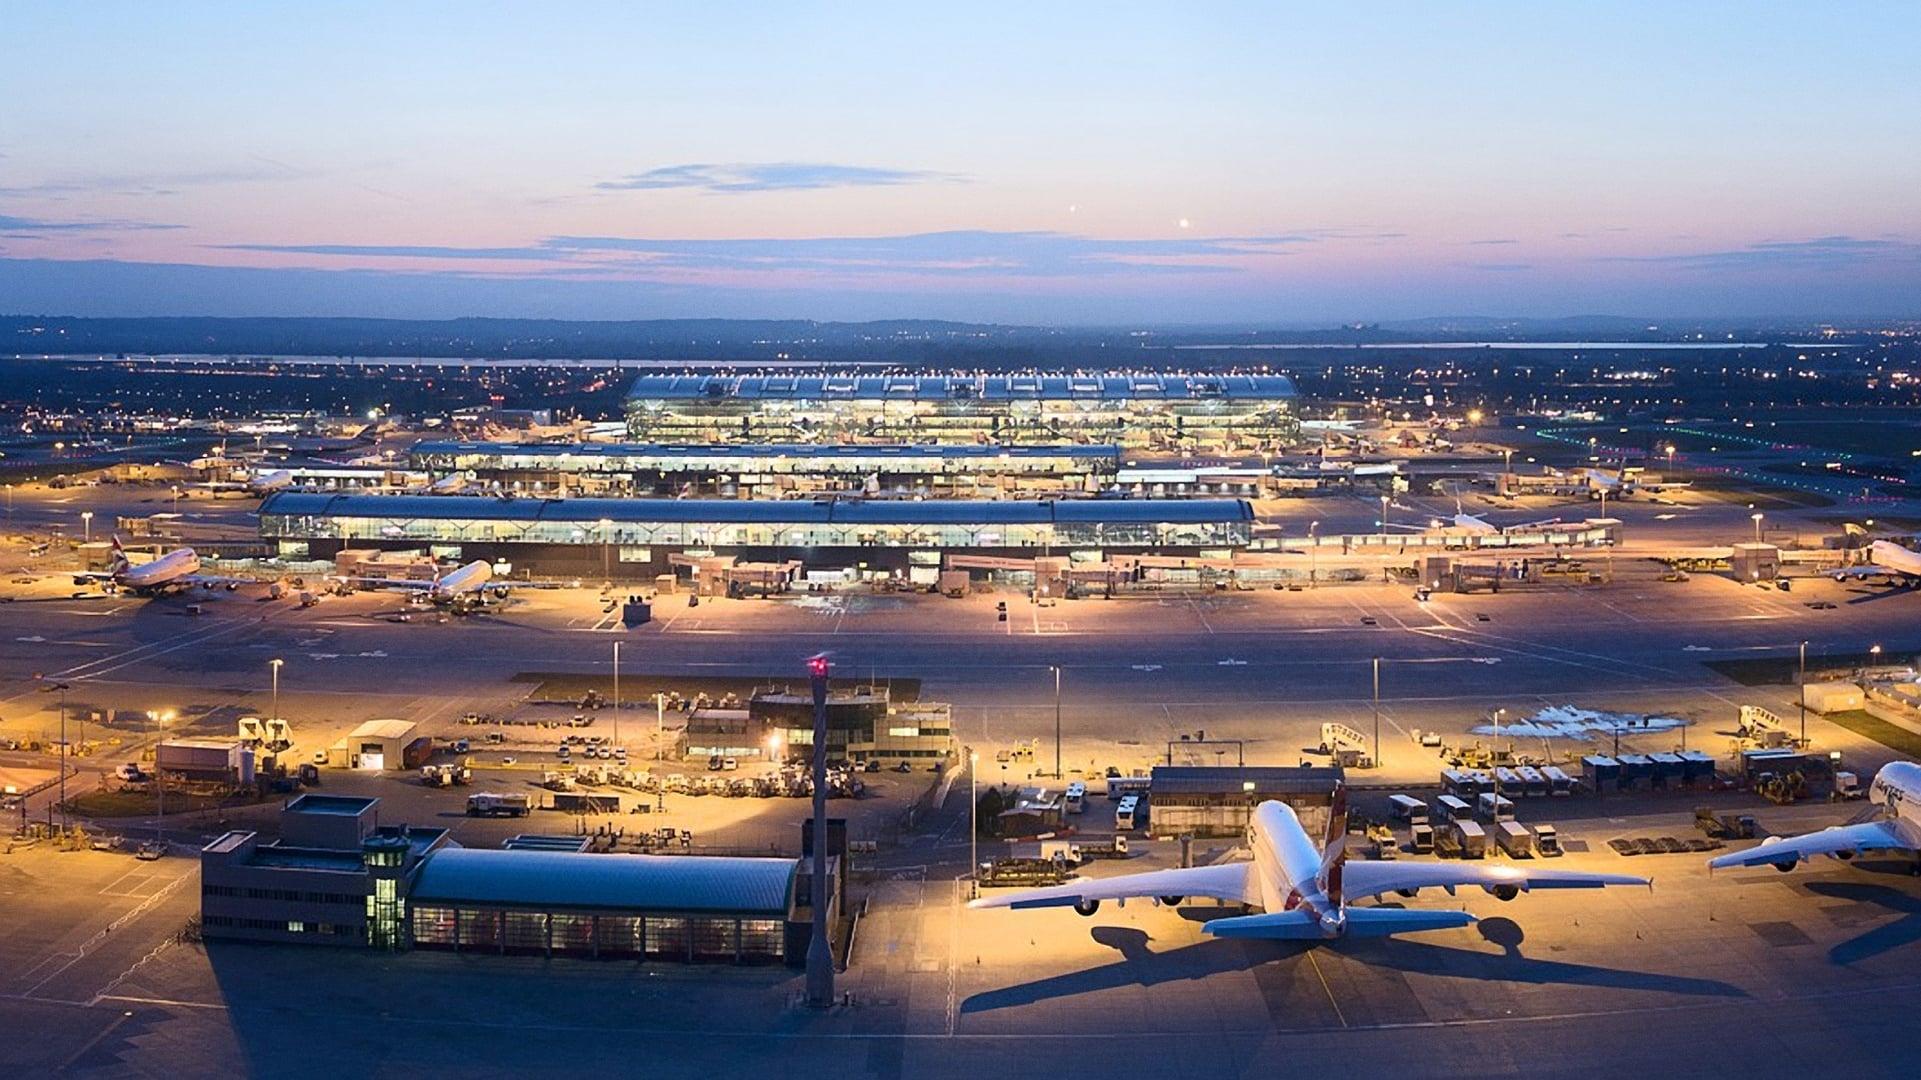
x,y
1884,938
1139,966
1411,955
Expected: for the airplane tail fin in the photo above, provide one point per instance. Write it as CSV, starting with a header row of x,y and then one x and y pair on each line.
x,y
1383,922
119,560
1335,853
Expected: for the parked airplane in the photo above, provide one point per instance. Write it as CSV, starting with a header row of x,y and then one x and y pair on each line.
x,y
176,570
1896,790
1304,888
1620,485
463,589
1466,524
260,483
1887,560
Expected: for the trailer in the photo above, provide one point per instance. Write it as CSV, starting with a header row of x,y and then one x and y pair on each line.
x,y
1104,849
1024,872
1421,842
1466,838
585,802
491,804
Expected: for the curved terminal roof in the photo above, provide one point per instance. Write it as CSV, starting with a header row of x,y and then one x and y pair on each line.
x,y
1104,386
764,450
762,511
605,882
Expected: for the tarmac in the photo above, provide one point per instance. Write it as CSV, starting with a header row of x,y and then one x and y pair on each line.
x,y
1742,973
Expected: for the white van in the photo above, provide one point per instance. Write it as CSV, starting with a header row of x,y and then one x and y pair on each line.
x,y
1126,813
1076,799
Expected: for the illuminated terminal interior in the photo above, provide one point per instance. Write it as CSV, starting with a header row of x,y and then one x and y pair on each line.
x,y
1154,411
771,470
633,537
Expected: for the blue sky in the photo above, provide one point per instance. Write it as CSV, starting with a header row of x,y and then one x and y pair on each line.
x,y
1057,163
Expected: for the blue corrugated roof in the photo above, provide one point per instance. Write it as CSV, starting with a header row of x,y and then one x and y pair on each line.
x,y
1106,386
760,511
644,883
742,450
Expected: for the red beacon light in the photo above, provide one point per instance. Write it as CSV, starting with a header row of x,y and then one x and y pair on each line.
x,y
818,666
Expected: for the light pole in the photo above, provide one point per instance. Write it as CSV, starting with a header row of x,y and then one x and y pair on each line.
x,y
1803,695
275,665
1756,517
1056,669
616,693
1313,553
65,752
606,549
1384,501
820,957
1377,712
660,724
973,814
86,523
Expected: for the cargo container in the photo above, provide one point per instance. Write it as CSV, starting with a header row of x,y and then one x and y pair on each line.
x,y
417,753
1468,838
490,804
1515,839
1601,771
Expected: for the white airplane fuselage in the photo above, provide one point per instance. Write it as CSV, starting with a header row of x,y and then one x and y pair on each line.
x,y
161,573
455,584
1288,864
1887,558
1897,791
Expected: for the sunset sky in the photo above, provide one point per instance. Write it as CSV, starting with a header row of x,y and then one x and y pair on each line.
x,y
1046,163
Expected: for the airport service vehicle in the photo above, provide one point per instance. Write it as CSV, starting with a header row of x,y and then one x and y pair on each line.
x,y
1076,798
490,804
1119,787
1128,814
1896,790
1306,889
175,571
1407,808
1888,562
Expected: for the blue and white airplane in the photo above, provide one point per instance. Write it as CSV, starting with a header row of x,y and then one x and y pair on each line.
x,y
1305,889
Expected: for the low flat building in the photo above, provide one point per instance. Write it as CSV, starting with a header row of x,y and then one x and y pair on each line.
x,y
379,745
863,724
337,876
1204,800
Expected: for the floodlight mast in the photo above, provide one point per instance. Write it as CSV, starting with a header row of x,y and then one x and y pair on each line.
x,y
820,957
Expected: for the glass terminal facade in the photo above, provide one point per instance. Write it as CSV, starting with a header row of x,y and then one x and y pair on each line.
x,y
823,532
1152,410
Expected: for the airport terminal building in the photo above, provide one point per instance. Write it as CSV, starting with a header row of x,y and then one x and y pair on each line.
x,y
769,470
642,538
1153,410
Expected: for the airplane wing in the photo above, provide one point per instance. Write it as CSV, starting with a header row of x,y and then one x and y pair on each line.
x,y
1871,836
212,580
1228,881
1360,879
418,584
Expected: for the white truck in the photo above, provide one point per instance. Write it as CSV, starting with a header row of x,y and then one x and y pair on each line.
x,y
490,804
